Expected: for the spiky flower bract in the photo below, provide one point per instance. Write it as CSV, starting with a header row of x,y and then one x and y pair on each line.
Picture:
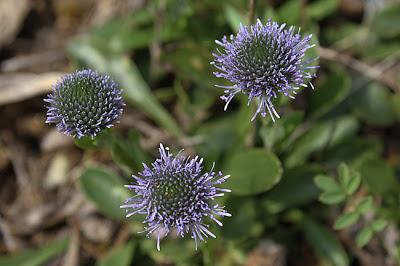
x,y
262,61
175,194
84,103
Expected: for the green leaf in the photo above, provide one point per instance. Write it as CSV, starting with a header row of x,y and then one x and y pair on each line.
x,y
97,142
378,176
253,172
240,225
327,183
320,136
386,22
344,174
137,92
105,189
86,143
353,151
282,128
127,153
192,61
324,243
331,91
289,12
365,205
120,256
123,34
353,184
321,8
296,188
121,68
234,18
364,236
346,220
373,104
333,197
378,225
218,138
35,257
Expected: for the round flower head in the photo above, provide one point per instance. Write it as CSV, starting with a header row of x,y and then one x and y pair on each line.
x,y
84,103
262,61
174,193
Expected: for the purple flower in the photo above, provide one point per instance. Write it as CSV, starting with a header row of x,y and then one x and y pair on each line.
x,y
174,193
84,103
262,61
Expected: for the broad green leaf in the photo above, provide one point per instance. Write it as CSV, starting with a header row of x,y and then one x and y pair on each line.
x,y
252,172
234,18
139,18
134,31
324,243
218,138
364,236
373,104
135,89
353,184
120,256
321,8
137,92
289,12
35,257
327,183
346,220
127,153
330,91
320,136
296,188
243,219
378,225
365,205
105,189
353,151
386,22
378,176
333,197
281,129
192,61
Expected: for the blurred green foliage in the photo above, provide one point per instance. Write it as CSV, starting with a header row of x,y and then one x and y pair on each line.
x,y
278,170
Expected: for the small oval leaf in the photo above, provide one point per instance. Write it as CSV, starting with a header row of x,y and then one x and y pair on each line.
x,y
353,184
253,172
105,189
326,183
378,225
364,237
365,205
346,220
332,197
